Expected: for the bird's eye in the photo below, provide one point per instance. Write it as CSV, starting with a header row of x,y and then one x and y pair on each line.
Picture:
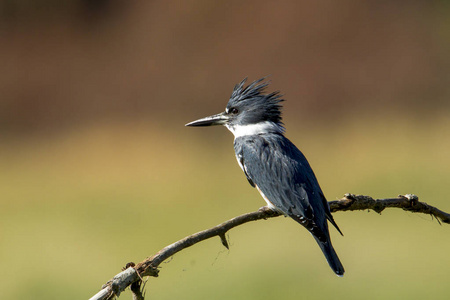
x,y
233,111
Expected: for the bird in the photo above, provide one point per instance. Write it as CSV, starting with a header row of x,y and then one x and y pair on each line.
x,y
273,164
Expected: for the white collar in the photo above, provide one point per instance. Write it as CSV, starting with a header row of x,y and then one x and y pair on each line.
x,y
254,129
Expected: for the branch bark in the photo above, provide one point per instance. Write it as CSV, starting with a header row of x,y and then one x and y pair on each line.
x,y
350,202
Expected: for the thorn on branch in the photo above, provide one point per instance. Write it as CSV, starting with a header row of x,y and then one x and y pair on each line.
x,y
378,206
137,290
224,241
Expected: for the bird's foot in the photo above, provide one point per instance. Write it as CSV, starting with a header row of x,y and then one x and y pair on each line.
x,y
264,209
269,211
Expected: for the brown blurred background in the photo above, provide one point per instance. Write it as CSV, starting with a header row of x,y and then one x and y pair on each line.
x,y
97,168
66,63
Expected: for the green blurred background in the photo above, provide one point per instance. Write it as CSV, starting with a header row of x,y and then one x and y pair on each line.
x,y
97,168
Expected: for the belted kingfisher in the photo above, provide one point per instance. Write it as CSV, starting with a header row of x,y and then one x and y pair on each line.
x,y
273,164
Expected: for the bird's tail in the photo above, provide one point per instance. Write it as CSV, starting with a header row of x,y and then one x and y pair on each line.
x,y
331,256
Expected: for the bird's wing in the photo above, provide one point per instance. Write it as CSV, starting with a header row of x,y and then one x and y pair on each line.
x,y
285,178
240,159
328,213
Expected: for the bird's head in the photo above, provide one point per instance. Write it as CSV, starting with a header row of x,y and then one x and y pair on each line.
x,y
249,111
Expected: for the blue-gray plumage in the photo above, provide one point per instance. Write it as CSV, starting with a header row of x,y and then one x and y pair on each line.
x,y
273,164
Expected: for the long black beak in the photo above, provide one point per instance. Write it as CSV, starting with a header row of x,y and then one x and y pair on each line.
x,y
219,119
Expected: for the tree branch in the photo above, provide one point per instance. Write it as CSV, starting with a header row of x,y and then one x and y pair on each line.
x,y
408,202
350,202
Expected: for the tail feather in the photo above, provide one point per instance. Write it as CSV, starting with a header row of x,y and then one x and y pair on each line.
x,y
331,256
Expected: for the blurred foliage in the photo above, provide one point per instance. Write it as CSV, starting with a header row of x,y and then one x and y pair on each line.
x,y
66,63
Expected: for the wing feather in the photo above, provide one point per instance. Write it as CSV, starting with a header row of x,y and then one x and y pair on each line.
x,y
285,177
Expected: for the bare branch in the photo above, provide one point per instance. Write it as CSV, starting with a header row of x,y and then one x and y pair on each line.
x,y
408,202
350,202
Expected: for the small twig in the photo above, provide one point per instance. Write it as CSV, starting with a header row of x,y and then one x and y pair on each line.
x,y
408,202
350,202
137,289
